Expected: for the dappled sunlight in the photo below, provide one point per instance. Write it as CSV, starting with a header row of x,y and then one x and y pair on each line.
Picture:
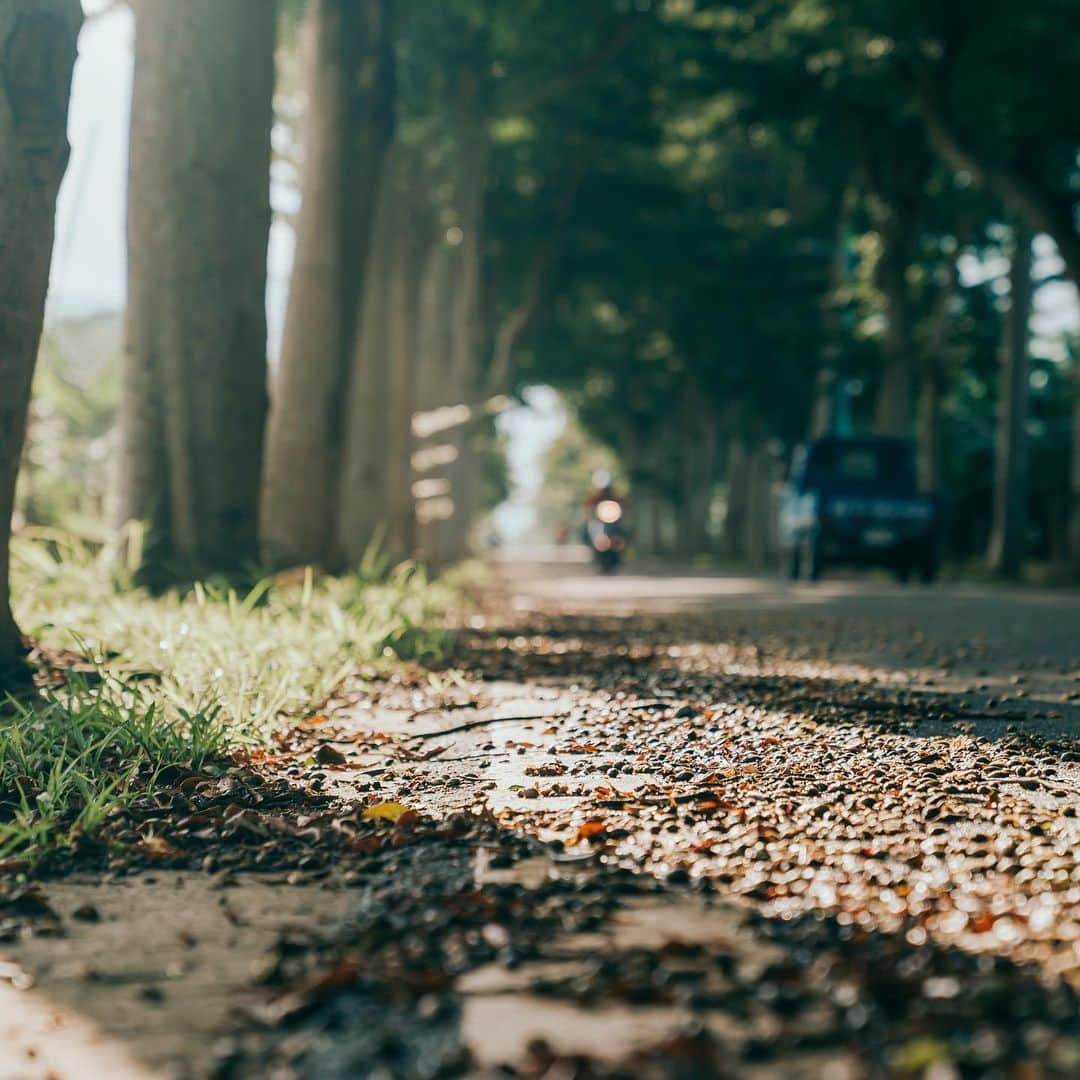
x,y
44,1041
539,540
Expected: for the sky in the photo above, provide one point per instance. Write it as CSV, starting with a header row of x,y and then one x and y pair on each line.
x,y
88,260
530,429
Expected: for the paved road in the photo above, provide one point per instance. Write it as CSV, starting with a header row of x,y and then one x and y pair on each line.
x,y
1018,647
729,827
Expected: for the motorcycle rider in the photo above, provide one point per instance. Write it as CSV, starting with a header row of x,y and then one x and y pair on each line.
x,y
603,487
604,491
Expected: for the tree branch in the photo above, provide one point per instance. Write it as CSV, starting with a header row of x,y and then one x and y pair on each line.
x,y
1041,208
517,322
571,78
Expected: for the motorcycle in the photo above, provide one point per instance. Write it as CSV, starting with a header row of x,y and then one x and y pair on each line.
x,y
606,535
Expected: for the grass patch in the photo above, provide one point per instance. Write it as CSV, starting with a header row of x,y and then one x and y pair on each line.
x,y
179,679
71,757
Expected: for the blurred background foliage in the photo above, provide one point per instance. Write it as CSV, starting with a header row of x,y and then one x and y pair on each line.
x,y
700,219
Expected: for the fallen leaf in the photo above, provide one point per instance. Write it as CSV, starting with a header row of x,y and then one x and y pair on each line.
x,y
591,830
388,811
328,755
158,847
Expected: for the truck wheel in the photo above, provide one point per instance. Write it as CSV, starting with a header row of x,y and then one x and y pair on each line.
x,y
794,566
810,560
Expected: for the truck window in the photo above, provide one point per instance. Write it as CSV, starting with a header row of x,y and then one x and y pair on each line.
x,y
861,466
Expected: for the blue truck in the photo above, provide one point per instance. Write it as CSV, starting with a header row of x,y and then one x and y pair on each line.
x,y
856,502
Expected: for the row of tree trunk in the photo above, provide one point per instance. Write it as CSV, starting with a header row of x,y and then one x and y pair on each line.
x,y
349,125
906,361
750,477
381,289
384,311
383,314
676,510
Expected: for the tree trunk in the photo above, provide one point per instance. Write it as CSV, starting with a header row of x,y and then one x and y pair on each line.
x,y
472,151
932,380
645,519
823,416
349,122
1008,537
1073,514
757,543
375,498
893,406
757,525
737,497
437,282
194,403
697,460
895,172
929,425
38,42
823,405
402,394
667,537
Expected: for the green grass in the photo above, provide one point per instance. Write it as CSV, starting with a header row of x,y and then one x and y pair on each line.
x,y
70,758
179,679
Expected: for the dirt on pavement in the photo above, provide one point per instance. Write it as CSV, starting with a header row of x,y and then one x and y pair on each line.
x,y
655,825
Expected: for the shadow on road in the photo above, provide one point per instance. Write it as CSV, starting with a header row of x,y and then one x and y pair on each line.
x,y
747,861
593,970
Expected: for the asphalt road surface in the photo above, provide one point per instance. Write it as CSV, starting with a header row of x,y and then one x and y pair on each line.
x,y
668,825
1015,645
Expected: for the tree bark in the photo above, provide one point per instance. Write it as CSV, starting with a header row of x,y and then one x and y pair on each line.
x,y
697,460
893,405
437,282
194,404
1008,536
465,343
1073,514
349,128
545,260
934,375
757,542
737,498
931,386
402,391
646,519
37,44
517,321
823,405
375,498
929,427
894,174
